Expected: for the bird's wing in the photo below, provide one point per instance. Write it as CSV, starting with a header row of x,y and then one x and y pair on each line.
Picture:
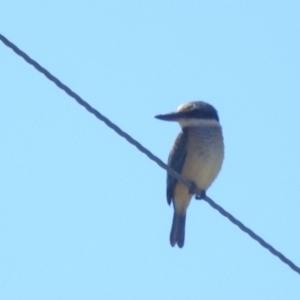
x,y
176,161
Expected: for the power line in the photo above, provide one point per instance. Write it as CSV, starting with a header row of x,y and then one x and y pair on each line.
x,y
118,130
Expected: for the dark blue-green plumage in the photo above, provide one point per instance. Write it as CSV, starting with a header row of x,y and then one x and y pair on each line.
x,y
176,161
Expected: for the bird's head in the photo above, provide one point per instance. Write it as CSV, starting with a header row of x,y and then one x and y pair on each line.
x,y
193,114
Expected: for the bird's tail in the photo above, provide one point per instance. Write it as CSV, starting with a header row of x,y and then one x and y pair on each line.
x,y
177,231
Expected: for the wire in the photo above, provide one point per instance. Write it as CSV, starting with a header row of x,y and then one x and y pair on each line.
x,y
252,234
132,141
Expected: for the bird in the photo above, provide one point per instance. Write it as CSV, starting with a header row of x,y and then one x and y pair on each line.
x,y
197,155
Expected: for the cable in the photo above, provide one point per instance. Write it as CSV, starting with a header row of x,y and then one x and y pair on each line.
x,y
132,141
252,234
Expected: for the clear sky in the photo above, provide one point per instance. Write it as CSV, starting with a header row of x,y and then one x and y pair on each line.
x,y
83,214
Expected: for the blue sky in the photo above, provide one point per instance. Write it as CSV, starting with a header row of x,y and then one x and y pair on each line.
x,y
83,214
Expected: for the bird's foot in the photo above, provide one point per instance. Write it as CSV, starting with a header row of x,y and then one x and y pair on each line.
x,y
200,196
194,190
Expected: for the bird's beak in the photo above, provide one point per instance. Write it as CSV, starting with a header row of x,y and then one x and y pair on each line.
x,y
175,116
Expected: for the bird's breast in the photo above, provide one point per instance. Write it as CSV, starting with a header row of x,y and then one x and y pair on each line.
x,y
205,153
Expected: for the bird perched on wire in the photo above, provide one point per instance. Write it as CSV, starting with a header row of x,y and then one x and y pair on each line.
x,y
197,155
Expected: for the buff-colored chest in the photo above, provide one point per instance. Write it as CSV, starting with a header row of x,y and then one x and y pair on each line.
x,y
205,153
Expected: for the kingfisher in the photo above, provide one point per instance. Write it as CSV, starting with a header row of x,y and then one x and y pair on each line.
x,y
197,155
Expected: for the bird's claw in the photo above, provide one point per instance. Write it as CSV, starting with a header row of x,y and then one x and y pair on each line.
x,y
200,196
194,191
